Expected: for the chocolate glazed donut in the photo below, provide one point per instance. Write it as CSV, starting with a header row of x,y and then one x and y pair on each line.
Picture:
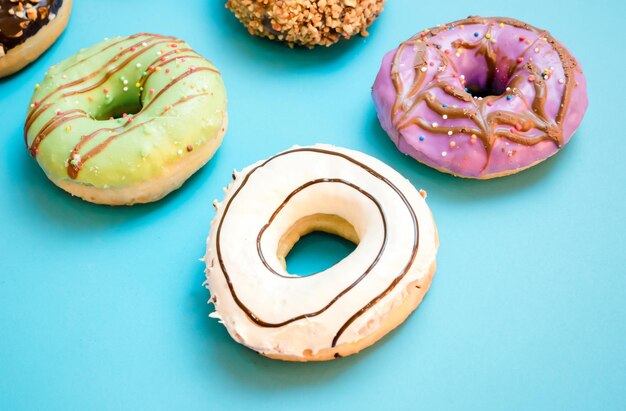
x,y
27,29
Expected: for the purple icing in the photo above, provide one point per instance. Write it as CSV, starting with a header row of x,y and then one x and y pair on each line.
x,y
514,87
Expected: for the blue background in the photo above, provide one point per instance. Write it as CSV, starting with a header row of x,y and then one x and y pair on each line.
x,y
103,307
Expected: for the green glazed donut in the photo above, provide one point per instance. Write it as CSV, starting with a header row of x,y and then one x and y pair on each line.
x,y
127,120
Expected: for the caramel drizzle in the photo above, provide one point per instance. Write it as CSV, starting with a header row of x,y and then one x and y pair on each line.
x,y
486,127
75,162
40,108
249,313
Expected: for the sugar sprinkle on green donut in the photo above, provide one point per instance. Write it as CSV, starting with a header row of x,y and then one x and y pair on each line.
x,y
125,111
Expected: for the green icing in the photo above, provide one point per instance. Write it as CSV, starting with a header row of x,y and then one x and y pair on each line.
x,y
155,138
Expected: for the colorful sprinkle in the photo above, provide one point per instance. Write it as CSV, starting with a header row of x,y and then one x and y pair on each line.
x,y
421,138
68,128
476,34
452,144
151,91
106,90
508,97
531,78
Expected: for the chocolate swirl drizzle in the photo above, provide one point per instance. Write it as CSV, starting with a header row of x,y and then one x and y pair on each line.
x,y
262,323
486,126
75,163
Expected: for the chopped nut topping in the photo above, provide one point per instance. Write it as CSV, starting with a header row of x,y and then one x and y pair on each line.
x,y
306,22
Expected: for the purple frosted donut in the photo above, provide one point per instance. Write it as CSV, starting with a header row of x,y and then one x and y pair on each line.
x,y
480,97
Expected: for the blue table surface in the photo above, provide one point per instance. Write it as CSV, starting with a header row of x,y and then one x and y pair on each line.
x,y
103,308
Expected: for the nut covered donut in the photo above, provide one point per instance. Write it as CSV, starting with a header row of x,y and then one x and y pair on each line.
x,y
480,97
306,22
127,120
339,311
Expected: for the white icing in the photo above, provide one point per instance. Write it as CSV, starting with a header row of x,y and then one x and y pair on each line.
x,y
277,298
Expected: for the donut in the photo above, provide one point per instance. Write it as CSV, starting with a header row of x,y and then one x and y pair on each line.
x,y
27,29
127,120
337,312
306,22
480,97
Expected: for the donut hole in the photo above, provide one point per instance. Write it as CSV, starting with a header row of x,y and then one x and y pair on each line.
x,y
121,106
481,78
315,243
119,109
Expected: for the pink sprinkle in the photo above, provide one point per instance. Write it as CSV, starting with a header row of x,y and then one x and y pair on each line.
x,y
124,115
192,68
167,70
58,112
163,58
521,38
133,48
130,119
489,103
520,59
151,91
531,78
518,126
106,90
36,103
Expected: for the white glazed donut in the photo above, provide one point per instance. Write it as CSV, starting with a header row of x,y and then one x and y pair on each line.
x,y
345,308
